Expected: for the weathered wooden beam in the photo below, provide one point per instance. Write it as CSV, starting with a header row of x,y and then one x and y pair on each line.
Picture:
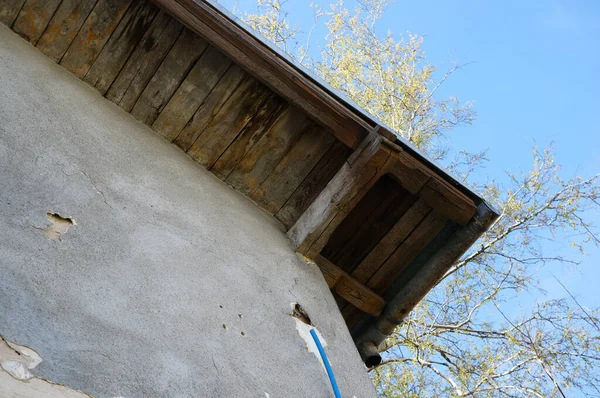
x,y
275,71
121,44
93,35
168,77
349,288
429,186
407,251
63,27
448,201
144,61
366,165
34,17
9,10
293,169
192,92
391,241
313,184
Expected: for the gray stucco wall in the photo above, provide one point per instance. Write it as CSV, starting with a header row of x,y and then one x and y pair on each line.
x,y
149,293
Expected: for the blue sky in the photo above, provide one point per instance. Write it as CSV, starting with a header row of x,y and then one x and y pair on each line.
x,y
533,72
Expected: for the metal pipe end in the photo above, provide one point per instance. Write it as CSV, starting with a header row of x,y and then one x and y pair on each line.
x,y
369,353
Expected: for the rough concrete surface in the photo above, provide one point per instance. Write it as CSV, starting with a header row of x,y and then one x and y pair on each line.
x,y
147,292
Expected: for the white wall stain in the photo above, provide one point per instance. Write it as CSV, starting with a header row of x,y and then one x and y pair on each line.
x,y
304,332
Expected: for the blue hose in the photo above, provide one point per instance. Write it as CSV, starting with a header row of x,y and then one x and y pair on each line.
x,y
336,390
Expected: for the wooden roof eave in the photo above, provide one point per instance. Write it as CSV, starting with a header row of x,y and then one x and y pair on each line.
x,y
345,120
265,64
377,151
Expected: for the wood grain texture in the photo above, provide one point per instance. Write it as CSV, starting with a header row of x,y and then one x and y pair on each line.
x,y
409,173
263,157
293,169
447,200
9,10
121,44
436,192
93,35
191,93
174,68
313,184
408,250
230,81
250,135
228,122
351,226
349,288
63,27
144,61
34,18
365,166
274,71
367,223
390,242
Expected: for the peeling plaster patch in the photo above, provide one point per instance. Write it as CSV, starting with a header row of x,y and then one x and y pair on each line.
x,y
16,380
304,329
59,225
17,360
267,395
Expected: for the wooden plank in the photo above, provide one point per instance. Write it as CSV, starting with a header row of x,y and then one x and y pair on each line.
x,y
121,44
262,158
273,70
34,17
144,61
408,250
356,177
409,173
174,68
9,10
395,236
63,27
228,122
250,135
313,184
368,229
293,169
92,36
191,93
331,273
447,200
230,81
355,223
349,288
437,193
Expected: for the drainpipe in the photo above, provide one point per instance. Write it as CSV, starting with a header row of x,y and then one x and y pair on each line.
x,y
432,271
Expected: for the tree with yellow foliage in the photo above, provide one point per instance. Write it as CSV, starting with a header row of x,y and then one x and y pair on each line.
x,y
464,339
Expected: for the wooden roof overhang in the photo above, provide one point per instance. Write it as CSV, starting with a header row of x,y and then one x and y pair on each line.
x,y
377,152
381,220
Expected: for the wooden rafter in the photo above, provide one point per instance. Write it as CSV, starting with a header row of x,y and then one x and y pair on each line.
x,y
366,165
349,288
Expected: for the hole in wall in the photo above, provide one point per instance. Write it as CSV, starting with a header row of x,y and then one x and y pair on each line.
x,y
299,313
